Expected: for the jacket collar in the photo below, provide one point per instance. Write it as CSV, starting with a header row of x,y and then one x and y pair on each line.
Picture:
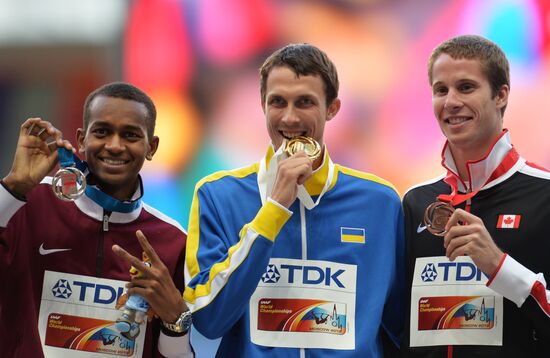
x,y
91,206
321,181
498,164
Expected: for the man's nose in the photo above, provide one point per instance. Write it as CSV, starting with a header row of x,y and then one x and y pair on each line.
x,y
290,115
452,101
114,144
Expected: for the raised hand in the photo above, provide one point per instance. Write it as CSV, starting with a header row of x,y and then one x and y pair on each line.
x,y
467,235
155,283
292,171
34,157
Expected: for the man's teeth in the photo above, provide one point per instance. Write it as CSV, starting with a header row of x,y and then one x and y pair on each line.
x,y
113,161
457,120
292,135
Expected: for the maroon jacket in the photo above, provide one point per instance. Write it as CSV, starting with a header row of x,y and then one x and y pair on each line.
x,y
44,222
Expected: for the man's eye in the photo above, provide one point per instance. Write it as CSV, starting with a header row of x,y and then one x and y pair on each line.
x,y
466,87
276,101
99,131
306,102
439,90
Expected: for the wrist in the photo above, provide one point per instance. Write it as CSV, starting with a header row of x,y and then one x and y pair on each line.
x,y
179,327
17,189
282,200
495,263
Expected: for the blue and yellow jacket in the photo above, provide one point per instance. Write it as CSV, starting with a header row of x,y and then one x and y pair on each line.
x,y
300,282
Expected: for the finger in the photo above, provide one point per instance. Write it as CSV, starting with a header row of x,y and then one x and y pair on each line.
x,y
147,248
45,130
56,135
457,243
134,290
457,231
459,251
28,126
39,128
132,260
66,144
143,282
459,217
306,172
61,143
300,154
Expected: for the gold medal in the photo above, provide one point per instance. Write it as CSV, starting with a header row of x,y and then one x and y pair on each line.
x,y
309,145
436,217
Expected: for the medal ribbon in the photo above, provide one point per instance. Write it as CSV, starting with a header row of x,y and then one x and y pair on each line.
x,y
107,202
454,198
68,159
267,175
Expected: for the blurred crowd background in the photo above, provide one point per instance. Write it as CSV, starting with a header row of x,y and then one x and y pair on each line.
x,y
199,60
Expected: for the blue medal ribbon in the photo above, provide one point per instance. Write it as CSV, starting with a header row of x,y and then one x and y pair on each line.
x,y
109,203
68,159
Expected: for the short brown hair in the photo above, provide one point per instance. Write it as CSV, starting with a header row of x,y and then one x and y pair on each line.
x,y
304,59
493,61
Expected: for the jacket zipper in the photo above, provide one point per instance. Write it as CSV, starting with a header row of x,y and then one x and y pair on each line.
x,y
100,249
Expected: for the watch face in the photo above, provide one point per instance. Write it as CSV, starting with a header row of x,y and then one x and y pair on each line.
x,y
186,320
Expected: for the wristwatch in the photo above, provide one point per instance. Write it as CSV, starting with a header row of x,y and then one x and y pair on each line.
x,y
182,325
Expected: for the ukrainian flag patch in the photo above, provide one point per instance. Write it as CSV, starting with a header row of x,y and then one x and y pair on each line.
x,y
352,234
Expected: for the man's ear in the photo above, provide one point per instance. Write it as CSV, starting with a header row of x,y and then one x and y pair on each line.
x,y
80,135
153,146
502,96
333,108
262,103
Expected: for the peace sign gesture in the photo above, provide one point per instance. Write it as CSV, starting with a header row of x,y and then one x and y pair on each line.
x,y
154,282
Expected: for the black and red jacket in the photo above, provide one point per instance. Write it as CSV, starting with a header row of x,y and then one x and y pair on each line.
x,y
507,184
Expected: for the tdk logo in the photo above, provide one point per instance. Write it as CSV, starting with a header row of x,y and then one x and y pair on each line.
x,y
88,292
452,271
307,275
271,274
429,273
62,289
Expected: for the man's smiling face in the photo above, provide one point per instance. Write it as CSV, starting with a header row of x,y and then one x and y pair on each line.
x,y
116,144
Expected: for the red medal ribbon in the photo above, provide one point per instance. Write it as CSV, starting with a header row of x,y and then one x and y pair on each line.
x,y
454,198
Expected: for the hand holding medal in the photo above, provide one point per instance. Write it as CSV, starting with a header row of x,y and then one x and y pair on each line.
x,y
69,182
436,216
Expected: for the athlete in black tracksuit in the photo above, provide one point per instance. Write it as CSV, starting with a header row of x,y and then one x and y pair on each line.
x,y
510,187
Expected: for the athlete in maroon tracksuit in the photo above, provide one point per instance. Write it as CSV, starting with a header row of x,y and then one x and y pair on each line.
x,y
44,238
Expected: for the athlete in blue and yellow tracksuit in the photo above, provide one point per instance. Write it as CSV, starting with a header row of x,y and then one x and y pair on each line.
x,y
320,279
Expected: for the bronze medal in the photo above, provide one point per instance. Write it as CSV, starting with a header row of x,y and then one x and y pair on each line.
x,y
309,145
436,217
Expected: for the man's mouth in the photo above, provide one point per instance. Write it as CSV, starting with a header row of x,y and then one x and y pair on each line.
x,y
457,120
111,161
290,135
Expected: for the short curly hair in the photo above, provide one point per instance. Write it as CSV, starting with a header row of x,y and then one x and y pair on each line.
x,y
127,91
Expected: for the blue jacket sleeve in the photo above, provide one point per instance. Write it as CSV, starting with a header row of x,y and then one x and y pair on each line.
x,y
226,256
394,311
